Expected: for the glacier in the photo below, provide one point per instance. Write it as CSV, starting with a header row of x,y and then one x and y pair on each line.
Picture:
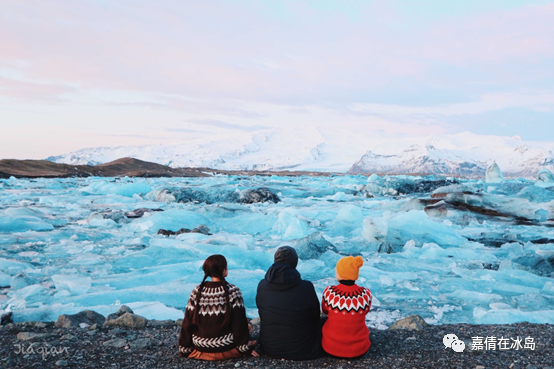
x,y
452,250
314,148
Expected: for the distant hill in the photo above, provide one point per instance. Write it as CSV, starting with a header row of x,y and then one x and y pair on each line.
x,y
118,168
129,167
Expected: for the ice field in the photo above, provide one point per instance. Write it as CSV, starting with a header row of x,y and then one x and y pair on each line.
x,y
449,250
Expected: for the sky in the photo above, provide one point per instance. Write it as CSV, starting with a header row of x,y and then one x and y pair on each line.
x,y
112,73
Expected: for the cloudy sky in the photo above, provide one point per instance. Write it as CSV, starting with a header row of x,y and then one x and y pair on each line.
x,y
108,73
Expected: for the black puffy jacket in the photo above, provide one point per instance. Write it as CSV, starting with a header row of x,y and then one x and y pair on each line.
x,y
289,314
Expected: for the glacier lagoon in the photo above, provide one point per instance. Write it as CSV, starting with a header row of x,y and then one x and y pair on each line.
x,y
450,250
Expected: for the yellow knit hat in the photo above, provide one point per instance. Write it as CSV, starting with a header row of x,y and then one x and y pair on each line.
x,y
349,267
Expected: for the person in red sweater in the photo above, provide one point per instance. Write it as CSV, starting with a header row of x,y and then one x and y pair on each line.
x,y
345,333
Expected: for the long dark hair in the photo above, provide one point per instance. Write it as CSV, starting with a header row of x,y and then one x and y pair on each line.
x,y
214,266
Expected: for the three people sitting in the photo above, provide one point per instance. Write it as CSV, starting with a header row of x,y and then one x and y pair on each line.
x,y
215,326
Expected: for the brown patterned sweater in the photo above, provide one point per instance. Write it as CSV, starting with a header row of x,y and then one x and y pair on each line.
x,y
208,335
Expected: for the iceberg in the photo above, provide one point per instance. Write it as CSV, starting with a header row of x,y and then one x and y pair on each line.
x,y
74,284
289,226
494,174
451,250
417,226
545,178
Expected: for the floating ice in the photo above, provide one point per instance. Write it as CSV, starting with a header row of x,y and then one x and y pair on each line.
x,y
349,214
72,283
126,189
494,174
417,226
403,185
339,196
545,178
450,250
23,224
289,226
313,246
214,195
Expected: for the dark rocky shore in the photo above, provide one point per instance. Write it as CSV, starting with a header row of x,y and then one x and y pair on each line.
x,y
124,167
126,340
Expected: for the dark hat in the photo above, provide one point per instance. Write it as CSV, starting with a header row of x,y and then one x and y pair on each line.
x,y
286,254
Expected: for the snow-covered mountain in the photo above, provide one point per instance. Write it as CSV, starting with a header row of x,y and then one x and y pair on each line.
x,y
339,150
302,148
463,154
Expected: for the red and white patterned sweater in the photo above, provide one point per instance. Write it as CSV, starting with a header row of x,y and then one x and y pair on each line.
x,y
345,333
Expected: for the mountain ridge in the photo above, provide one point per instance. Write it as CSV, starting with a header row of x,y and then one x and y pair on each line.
x,y
122,167
327,150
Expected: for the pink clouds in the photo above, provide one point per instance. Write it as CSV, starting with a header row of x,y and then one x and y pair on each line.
x,y
213,49
525,33
241,63
107,48
23,91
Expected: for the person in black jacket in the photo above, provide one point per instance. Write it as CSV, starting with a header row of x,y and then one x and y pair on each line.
x,y
290,325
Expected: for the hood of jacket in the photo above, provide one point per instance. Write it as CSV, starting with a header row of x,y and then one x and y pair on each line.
x,y
282,276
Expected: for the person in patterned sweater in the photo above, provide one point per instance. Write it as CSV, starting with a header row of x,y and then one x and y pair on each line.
x,y
345,333
215,325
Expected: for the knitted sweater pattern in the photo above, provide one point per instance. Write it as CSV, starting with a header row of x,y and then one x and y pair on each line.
x,y
208,335
345,333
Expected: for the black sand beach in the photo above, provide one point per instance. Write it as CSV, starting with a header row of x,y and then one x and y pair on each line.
x,y
42,345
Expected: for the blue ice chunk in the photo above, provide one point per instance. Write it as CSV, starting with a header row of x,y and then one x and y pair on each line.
x,y
505,188
494,174
122,189
533,301
23,224
537,194
5,279
456,284
173,219
96,220
12,268
545,178
313,246
339,196
417,226
22,279
464,295
18,212
548,289
330,259
30,296
510,316
76,285
539,264
240,221
541,215
350,214
374,178
289,227
375,229
314,269
247,280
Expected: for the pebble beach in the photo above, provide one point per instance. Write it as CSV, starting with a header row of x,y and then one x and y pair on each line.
x,y
43,345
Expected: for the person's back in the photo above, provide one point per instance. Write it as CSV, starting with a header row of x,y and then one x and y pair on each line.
x,y
345,333
289,311
215,326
